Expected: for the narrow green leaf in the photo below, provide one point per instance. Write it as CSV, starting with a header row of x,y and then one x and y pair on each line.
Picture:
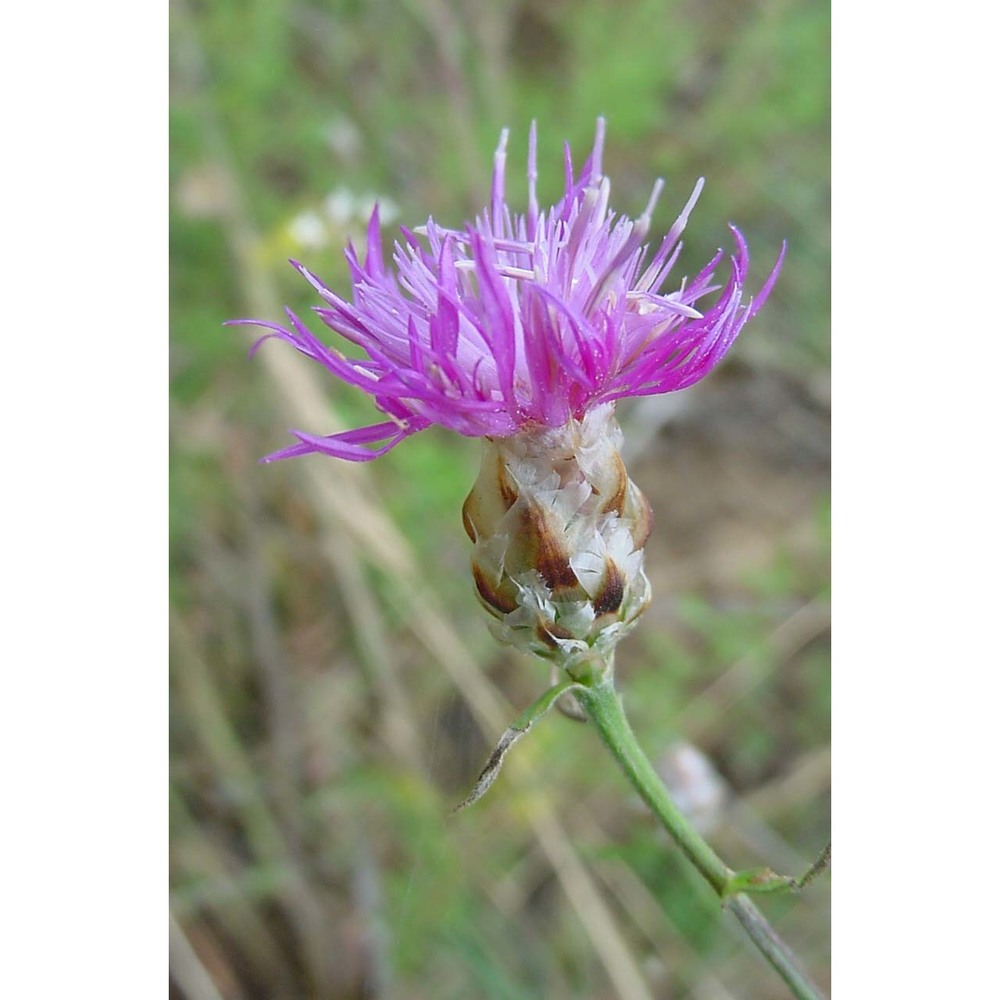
x,y
510,736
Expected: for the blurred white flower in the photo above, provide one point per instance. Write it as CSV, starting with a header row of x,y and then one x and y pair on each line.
x,y
343,207
694,784
342,212
388,210
308,230
340,206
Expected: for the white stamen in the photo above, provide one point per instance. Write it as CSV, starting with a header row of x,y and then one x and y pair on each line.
x,y
652,303
532,179
681,222
508,271
499,172
639,230
598,147
647,216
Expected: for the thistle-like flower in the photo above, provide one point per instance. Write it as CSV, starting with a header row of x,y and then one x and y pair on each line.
x,y
524,330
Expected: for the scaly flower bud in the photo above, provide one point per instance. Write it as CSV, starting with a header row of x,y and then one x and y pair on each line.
x,y
559,530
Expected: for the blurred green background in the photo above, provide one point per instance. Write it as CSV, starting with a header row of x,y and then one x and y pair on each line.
x,y
334,689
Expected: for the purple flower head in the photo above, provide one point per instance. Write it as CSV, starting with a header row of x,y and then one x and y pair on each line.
x,y
519,320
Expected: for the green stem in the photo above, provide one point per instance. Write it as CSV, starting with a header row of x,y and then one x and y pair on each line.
x,y
602,704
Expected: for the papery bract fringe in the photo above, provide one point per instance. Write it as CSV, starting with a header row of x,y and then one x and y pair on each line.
x,y
558,530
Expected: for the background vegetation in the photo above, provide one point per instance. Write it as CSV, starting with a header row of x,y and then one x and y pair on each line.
x,y
334,689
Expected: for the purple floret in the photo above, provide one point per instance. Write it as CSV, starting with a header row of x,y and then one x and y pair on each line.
x,y
519,320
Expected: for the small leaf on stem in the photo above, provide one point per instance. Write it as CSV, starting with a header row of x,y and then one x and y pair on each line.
x,y
510,736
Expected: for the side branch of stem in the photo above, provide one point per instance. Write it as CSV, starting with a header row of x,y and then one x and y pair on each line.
x,y
601,702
